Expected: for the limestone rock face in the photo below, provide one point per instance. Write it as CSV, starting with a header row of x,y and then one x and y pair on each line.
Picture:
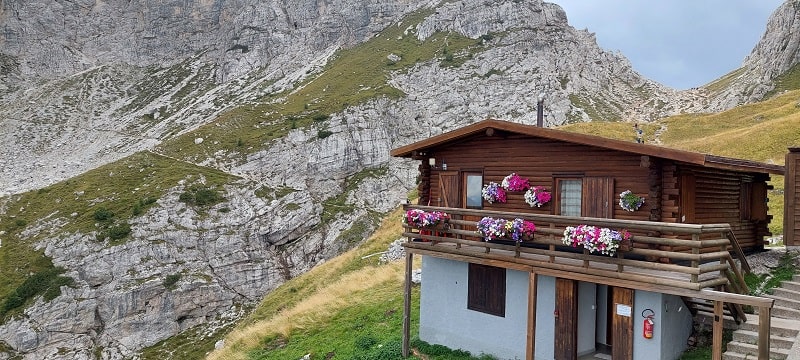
x,y
777,52
88,82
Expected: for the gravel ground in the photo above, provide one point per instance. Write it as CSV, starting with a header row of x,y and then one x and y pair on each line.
x,y
762,262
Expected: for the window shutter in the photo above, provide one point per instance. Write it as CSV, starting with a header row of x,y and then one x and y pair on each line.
x,y
486,289
598,197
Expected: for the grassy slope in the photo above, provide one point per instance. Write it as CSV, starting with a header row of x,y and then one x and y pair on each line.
x,y
70,206
347,295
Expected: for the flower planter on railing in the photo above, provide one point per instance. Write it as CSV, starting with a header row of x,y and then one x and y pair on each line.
x,y
428,222
516,230
597,240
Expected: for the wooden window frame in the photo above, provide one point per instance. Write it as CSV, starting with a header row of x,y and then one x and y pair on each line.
x,y
464,176
486,289
557,191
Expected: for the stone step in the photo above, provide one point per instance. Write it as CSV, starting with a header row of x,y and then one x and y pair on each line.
x,y
786,294
791,285
752,350
751,337
785,302
788,328
785,312
730,355
796,278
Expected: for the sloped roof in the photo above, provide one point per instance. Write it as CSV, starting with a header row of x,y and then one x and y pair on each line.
x,y
690,157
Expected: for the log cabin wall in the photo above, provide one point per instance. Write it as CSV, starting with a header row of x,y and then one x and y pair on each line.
x,y
541,161
717,194
791,199
721,196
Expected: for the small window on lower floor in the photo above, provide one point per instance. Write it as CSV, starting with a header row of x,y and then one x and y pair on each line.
x,y
486,289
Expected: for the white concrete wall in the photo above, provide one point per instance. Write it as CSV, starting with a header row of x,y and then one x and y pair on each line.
x,y
672,327
445,319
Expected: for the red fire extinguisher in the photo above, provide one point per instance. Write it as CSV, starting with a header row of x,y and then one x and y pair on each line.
x,y
649,323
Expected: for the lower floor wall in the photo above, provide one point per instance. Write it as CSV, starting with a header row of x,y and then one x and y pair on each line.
x,y
445,319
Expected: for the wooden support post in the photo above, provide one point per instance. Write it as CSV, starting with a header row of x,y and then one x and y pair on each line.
x,y
407,304
716,343
695,263
530,349
764,325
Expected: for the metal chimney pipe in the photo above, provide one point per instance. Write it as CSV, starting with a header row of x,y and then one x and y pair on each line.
x,y
540,111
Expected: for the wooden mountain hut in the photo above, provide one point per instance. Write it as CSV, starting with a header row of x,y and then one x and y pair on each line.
x,y
687,217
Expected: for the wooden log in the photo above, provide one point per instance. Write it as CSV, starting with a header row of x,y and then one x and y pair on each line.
x,y
407,304
764,325
717,327
530,348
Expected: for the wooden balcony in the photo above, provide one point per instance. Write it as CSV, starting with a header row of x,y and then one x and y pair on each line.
x,y
662,257
688,260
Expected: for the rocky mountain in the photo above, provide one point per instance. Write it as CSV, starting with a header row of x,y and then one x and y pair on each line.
x,y
772,61
166,163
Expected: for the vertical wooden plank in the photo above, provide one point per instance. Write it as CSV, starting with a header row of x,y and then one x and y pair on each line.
x,y
407,304
448,189
716,336
530,349
764,325
622,325
566,319
790,237
688,193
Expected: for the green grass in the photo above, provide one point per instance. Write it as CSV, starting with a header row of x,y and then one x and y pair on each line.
x,y
102,200
369,327
704,351
760,284
724,82
760,131
789,80
613,130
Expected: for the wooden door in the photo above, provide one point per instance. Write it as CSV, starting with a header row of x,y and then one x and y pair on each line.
x,y
448,189
622,323
566,319
597,197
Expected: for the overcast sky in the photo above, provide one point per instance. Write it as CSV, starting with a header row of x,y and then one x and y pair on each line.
x,y
679,43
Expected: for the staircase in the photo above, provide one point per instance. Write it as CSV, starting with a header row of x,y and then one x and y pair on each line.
x,y
784,330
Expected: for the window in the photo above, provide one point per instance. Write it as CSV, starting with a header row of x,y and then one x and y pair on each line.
x,y
569,197
486,289
474,183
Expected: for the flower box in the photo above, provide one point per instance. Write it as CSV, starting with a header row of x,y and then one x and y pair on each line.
x,y
516,230
597,240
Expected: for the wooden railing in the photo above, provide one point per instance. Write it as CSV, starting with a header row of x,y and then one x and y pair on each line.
x,y
702,252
